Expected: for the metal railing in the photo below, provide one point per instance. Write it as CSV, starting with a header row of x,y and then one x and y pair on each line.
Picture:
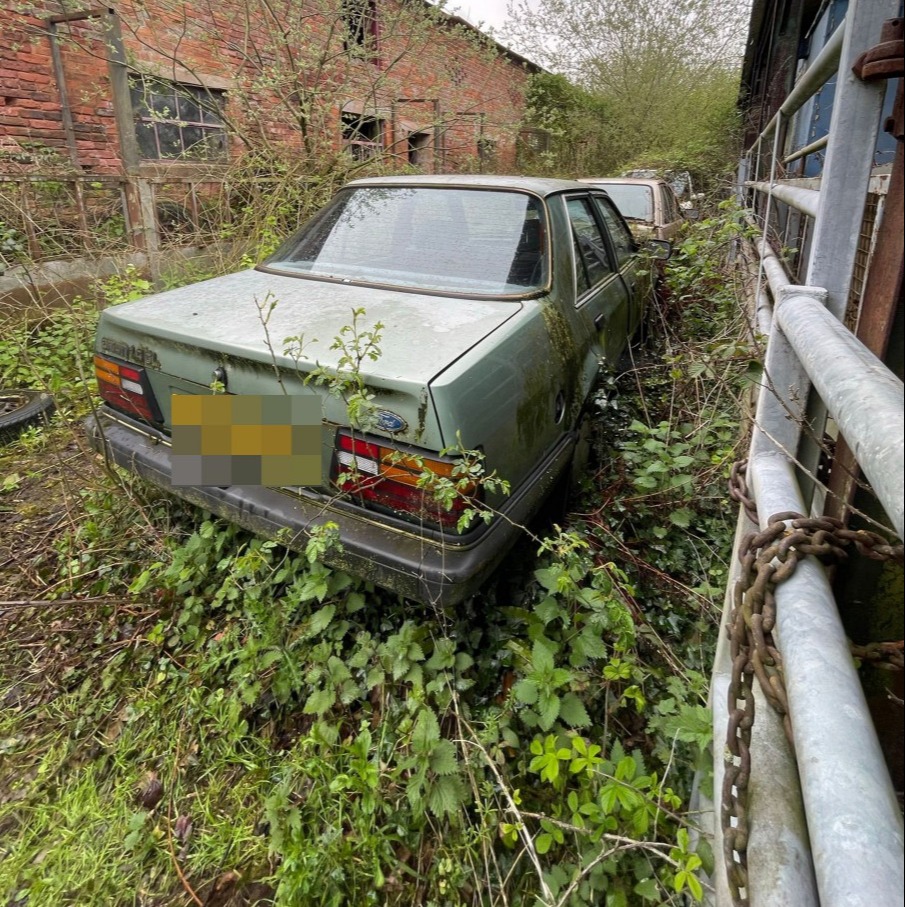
x,y
821,822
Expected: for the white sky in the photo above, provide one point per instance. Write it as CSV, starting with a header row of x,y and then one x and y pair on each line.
x,y
490,12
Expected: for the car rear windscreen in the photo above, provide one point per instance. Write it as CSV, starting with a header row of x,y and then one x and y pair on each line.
x,y
483,242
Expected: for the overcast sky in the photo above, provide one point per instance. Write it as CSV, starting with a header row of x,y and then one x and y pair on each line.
x,y
490,12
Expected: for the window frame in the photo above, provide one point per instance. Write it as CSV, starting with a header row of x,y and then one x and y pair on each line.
x,y
584,289
362,30
607,204
355,140
149,118
290,258
420,148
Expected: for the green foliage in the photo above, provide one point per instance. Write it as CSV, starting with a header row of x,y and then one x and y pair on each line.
x,y
356,346
658,82
659,462
336,745
576,125
124,287
12,245
697,274
54,351
362,734
468,476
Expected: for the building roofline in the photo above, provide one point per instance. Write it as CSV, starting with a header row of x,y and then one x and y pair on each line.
x,y
453,19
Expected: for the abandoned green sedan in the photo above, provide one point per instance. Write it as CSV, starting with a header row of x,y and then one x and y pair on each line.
x,y
439,330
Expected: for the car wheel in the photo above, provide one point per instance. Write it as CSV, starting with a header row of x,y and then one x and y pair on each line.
x,y
19,408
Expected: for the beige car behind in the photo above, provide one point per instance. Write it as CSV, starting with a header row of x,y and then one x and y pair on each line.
x,y
649,206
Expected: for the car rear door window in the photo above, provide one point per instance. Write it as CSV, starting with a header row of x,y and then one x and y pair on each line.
x,y
592,263
623,243
670,208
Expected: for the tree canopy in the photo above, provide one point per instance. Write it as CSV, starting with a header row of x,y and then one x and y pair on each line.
x,y
666,73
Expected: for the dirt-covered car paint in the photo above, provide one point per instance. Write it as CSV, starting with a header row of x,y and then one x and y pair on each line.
x,y
500,299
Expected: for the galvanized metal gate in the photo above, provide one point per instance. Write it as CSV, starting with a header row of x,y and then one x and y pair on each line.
x,y
812,819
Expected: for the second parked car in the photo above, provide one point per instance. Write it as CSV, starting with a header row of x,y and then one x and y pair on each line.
x,y
649,205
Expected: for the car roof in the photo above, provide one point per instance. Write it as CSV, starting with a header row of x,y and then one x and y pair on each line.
x,y
536,185
622,181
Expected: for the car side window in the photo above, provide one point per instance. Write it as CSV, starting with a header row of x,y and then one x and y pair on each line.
x,y
619,233
592,260
669,205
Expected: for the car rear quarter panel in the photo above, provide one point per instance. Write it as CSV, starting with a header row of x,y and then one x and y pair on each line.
x,y
516,394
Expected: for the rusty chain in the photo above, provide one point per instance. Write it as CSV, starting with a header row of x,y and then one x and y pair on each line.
x,y
738,489
887,655
769,557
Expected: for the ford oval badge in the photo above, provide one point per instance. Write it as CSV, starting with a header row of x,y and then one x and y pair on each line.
x,y
390,422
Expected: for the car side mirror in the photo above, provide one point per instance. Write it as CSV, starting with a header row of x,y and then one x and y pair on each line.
x,y
659,249
692,214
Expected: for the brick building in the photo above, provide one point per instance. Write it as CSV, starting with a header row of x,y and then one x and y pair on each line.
x,y
135,100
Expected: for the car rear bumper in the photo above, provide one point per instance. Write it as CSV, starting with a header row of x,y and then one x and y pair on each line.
x,y
396,556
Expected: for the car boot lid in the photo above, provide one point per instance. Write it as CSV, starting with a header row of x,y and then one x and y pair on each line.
x,y
424,334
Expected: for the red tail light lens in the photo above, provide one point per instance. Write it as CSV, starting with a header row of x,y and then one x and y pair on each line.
x,y
391,478
126,388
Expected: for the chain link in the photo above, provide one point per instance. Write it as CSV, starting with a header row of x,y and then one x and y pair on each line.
x,y
738,489
769,557
887,655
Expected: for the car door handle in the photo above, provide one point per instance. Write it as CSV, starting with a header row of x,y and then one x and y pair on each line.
x,y
599,321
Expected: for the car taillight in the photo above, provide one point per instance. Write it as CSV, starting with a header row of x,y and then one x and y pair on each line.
x,y
126,388
388,477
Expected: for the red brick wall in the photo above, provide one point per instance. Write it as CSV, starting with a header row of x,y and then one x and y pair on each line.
x,y
32,120
225,45
29,101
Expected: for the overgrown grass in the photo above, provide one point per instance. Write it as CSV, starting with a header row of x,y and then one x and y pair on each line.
x,y
193,715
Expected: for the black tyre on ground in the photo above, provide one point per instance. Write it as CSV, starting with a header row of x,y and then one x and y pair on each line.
x,y
20,407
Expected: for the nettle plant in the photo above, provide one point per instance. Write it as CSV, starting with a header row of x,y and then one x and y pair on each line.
x,y
526,747
535,746
595,816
